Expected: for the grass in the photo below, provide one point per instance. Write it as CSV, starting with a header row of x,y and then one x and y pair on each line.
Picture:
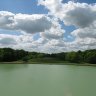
x,y
48,61
44,63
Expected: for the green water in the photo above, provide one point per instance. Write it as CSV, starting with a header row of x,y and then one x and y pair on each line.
x,y
47,80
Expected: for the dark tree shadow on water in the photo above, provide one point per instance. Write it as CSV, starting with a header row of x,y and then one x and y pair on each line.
x,y
12,66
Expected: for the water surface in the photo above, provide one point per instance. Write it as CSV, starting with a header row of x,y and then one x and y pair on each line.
x,y
47,80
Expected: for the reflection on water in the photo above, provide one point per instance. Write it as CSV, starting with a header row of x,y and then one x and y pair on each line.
x,y
12,66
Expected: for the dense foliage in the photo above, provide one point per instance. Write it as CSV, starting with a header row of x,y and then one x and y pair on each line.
x,y
8,55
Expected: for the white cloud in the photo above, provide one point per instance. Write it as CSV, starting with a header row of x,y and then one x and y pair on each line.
x,y
88,32
54,6
56,32
53,34
77,14
7,41
24,22
81,15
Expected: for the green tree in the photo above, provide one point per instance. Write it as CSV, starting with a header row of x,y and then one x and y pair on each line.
x,y
73,57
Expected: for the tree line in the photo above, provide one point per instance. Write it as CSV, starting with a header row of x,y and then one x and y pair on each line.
x,y
9,55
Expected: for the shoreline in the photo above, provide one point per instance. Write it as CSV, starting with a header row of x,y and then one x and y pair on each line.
x,y
50,63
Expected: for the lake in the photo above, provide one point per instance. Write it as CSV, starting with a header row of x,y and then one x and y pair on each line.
x,y
47,80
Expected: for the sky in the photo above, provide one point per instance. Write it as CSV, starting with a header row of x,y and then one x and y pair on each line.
x,y
49,26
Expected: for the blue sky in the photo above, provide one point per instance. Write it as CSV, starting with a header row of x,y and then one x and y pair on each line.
x,y
31,7
22,6
83,1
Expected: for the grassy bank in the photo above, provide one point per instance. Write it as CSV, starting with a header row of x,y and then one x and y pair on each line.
x,y
52,62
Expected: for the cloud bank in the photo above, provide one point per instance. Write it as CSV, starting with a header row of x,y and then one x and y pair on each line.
x,y
51,34
24,22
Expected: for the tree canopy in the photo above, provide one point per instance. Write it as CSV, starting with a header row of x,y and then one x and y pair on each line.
x,y
8,55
